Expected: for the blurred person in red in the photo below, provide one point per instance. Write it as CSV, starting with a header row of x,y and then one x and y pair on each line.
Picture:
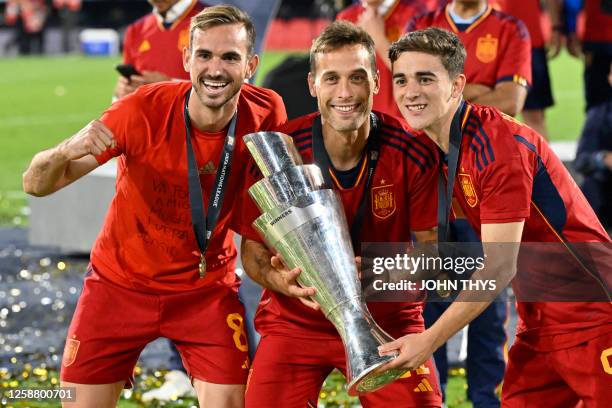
x,y
498,64
154,44
68,11
539,97
29,17
163,264
385,21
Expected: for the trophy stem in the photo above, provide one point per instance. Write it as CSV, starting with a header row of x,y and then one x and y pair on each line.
x,y
362,337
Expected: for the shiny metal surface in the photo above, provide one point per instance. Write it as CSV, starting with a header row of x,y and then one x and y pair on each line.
x,y
308,228
272,151
283,187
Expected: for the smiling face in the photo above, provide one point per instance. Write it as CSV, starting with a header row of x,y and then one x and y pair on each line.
x,y
423,90
344,86
218,62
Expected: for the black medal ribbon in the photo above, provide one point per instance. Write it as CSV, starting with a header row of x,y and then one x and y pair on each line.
x,y
204,222
321,158
445,188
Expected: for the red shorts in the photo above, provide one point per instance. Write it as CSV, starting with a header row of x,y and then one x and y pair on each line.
x,y
289,372
561,378
112,325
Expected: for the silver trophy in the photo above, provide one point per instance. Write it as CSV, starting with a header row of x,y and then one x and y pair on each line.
x,y
307,226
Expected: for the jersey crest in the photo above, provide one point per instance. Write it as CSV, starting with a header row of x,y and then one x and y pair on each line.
x,y
486,48
70,351
383,200
469,192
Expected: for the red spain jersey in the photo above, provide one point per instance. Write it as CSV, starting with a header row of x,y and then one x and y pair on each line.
x,y
507,172
598,22
147,241
530,13
148,46
497,44
395,21
399,200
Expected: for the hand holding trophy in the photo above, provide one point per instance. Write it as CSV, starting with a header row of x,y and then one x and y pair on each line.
x,y
305,223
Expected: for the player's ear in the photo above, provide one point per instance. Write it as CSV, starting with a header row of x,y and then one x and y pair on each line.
x,y
376,82
458,84
187,59
311,85
252,65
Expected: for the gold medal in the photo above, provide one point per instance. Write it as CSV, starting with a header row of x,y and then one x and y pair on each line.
x,y
202,266
443,284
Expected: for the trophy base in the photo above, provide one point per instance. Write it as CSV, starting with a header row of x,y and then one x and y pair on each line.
x,y
371,380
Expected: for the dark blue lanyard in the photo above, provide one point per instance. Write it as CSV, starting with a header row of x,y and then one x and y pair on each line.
x,y
321,158
204,223
445,189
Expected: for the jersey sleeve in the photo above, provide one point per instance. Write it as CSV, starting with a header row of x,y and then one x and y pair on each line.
x,y
247,211
124,117
506,184
423,191
278,113
515,58
128,46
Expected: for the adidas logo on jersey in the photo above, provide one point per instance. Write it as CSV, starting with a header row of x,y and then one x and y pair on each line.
x,y
208,168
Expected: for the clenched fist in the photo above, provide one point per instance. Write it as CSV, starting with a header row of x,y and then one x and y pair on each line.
x,y
93,139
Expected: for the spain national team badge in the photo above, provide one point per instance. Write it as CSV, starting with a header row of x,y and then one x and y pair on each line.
x,y
183,40
486,48
469,192
70,351
383,200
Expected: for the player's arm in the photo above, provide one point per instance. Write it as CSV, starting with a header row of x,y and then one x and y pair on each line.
x,y
59,166
473,91
374,24
415,349
426,236
507,96
268,270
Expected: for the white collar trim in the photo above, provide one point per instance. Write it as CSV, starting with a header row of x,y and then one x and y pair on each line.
x,y
177,10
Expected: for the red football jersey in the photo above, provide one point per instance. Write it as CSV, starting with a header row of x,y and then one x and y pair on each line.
x,y
400,199
530,13
508,173
498,46
147,241
148,46
395,21
598,22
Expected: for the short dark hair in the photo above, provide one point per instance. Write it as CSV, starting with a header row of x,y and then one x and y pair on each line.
x,y
221,15
339,34
433,41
